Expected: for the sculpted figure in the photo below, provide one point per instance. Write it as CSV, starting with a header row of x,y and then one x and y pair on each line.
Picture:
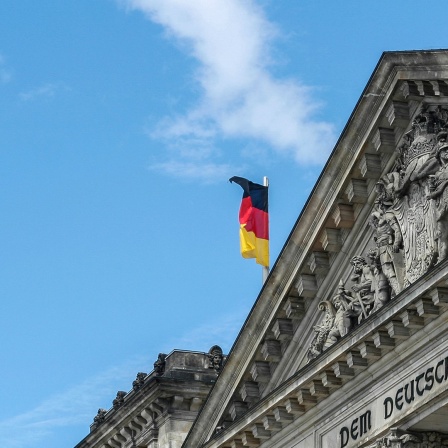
x,y
159,365
388,239
363,287
342,323
439,194
139,380
381,285
119,400
216,358
322,330
99,417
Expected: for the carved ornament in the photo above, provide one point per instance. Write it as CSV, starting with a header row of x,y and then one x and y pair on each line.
x,y
409,223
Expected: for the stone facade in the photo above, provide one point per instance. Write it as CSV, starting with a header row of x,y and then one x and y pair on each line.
x,y
161,406
346,345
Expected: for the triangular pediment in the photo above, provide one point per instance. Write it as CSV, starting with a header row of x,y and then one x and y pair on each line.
x,y
380,195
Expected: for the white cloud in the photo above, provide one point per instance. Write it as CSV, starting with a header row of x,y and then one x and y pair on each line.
x,y
204,336
79,404
5,72
202,171
241,98
47,90
72,407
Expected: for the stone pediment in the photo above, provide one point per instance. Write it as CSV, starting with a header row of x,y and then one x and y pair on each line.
x,y
348,285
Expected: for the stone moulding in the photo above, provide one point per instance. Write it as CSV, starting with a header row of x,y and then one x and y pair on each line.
x,y
343,361
375,127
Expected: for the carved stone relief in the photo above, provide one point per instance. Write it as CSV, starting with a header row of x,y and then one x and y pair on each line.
x,y
99,418
409,224
119,400
159,365
216,358
397,439
139,380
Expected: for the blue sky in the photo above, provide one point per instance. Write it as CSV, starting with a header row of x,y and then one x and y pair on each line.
x,y
120,124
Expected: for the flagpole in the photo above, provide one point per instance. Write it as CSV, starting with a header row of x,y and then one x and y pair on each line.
x,y
265,271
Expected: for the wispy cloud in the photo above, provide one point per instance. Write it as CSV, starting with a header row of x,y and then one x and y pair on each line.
x,y
240,97
206,172
78,405
5,71
48,90
204,336
72,407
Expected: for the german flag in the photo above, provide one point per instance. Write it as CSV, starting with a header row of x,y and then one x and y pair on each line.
x,y
254,222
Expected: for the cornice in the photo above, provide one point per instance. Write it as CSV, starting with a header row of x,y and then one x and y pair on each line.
x,y
362,135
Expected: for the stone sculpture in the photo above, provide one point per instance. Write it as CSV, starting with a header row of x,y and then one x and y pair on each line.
x,y
119,400
159,365
410,229
415,440
99,418
216,358
139,380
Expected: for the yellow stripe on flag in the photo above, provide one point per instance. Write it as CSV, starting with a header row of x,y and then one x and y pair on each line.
x,y
253,247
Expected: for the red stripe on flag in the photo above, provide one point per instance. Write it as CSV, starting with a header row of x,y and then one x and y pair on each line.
x,y
254,219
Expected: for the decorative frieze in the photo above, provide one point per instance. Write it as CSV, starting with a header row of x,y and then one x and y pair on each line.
x,y
249,391
260,432
342,370
283,329
293,407
370,166
426,308
384,140
397,330
397,113
357,191
271,423
305,398
271,350
383,341
236,409
261,371
439,296
356,361
306,285
294,307
319,262
411,319
330,380
282,415
369,351
248,439
343,216
331,240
